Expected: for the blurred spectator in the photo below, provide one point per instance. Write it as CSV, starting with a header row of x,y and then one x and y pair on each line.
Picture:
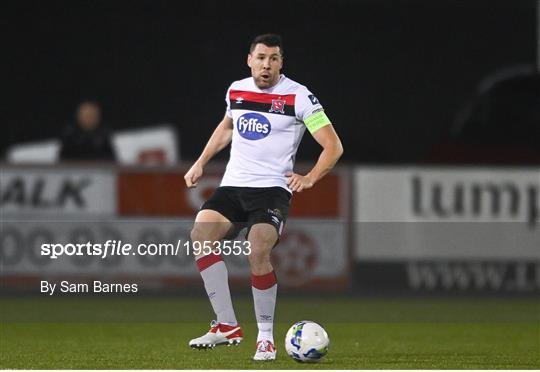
x,y
506,109
87,138
500,125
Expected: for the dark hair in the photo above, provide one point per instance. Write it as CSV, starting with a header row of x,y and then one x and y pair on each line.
x,y
271,40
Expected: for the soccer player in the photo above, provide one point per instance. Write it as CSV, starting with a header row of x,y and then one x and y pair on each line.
x,y
267,114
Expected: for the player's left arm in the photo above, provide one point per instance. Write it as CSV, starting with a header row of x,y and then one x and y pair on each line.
x,y
327,137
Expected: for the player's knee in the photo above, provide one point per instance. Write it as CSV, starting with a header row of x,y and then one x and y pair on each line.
x,y
263,240
198,234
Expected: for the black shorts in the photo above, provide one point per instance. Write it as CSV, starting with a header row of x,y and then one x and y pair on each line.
x,y
247,206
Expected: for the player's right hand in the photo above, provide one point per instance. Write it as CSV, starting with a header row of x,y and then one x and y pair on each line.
x,y
193,175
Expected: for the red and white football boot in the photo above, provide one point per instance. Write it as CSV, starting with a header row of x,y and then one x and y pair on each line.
x,y
219,334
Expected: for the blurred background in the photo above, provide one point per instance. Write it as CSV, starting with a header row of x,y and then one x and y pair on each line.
x,y
107,103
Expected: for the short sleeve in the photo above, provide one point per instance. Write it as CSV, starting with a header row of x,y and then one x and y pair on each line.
x,y
306,104
310,111
228,103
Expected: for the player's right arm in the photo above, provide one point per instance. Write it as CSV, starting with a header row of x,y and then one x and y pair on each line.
x,y
221,137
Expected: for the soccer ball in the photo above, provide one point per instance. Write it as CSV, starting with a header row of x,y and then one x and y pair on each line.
x,y
306,341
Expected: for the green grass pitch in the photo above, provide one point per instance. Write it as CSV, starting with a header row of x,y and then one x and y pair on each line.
x,y
152,333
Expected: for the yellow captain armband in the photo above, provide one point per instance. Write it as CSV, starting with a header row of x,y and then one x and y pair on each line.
x,y
316,121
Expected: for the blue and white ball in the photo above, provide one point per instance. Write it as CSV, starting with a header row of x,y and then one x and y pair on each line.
x,y
307,341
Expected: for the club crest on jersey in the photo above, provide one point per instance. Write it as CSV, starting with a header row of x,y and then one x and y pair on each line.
x,y
278,106
253,126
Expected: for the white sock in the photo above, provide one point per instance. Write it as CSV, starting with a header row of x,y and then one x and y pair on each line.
x,y
264,288
216,281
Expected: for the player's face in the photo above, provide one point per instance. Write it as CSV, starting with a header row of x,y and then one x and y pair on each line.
x,y
265,63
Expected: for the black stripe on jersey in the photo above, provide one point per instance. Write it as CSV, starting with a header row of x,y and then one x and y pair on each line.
x,y
261,107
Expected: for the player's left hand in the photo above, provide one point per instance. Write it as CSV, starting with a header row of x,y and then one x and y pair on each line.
x,y
297,182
